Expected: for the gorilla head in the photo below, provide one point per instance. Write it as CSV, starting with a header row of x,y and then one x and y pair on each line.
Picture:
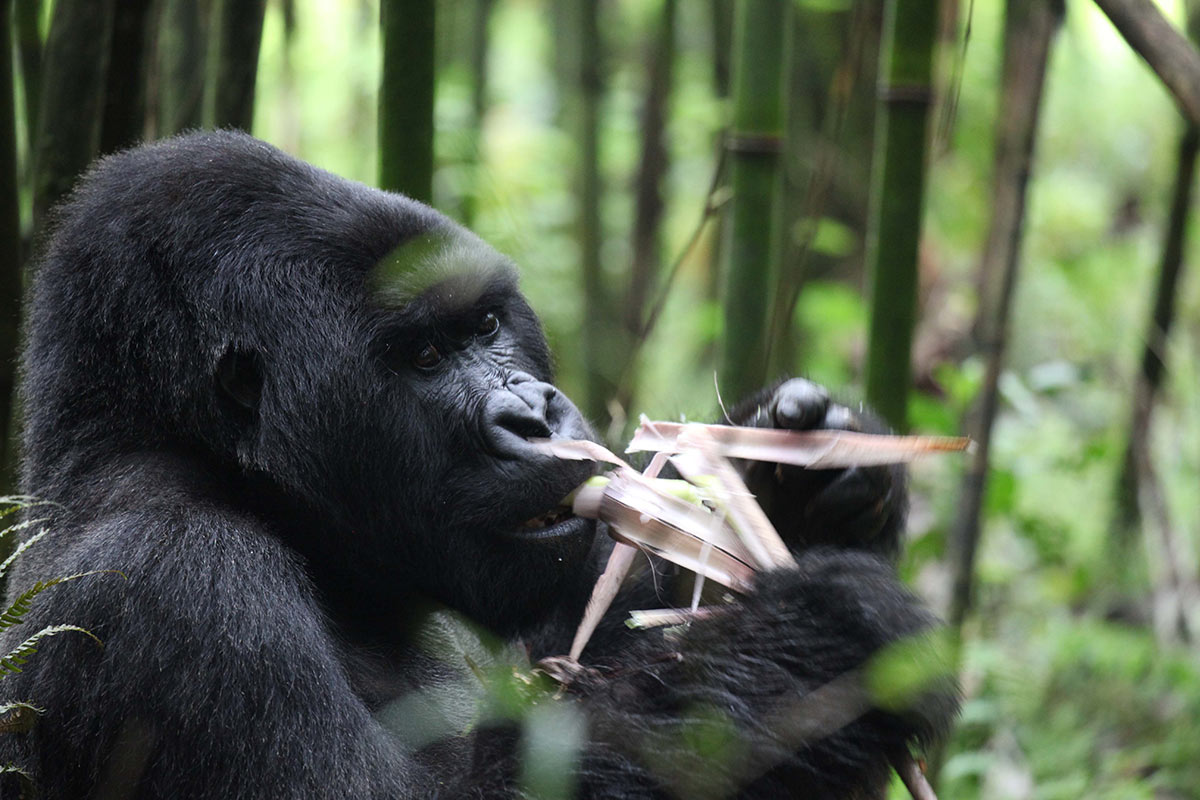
x,y
353,367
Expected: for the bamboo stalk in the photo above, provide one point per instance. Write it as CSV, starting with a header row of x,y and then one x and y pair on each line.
x,y
124,120
1028,33
1126,512
233,63
10,250
183,39
1168,52
753,229
27,15
406,91
598,338
72,98
897,197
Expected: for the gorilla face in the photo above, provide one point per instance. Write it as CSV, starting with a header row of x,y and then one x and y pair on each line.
x,y
462,358
431,383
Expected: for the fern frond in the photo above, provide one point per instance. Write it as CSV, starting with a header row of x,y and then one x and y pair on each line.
x,y
17,526
26,778
18,717
16,502
12,661
21,548
16,611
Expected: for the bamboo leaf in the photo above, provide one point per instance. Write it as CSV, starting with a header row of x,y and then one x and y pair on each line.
x,y
744,514
19,549
605,590
578,450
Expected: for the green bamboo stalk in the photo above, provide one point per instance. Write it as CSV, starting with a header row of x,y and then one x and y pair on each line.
x,y
124,120
721,17
753,230
233,63
646,239
480,45
183,40
10,251
28,14
897,195
652,166
406,93
598,338
72,98
1127,511
1029,28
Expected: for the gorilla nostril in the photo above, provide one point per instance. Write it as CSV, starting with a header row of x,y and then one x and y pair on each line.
x,y
525,425
527,408
508,421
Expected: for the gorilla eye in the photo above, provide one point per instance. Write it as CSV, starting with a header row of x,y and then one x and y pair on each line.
x,y
428,358
488,324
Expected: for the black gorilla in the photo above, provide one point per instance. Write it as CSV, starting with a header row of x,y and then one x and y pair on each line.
x,y
293,411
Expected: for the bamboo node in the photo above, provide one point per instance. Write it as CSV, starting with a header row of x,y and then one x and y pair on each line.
x,y
754,143
916,93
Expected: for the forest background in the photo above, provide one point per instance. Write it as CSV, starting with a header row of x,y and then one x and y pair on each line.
x,y
596,144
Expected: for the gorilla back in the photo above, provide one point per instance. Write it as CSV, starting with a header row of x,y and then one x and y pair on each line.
x,y
294,412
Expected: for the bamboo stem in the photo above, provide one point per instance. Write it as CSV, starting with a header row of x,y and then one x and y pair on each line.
x,y
406,91
1028,33
233,63
897,195
753,242
1165,49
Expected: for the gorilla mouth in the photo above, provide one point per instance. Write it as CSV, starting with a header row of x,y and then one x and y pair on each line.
x,y
552,524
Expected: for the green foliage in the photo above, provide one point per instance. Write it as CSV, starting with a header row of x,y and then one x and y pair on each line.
x,y
900,673
27,787
18,717
12,661
1078,708
20,606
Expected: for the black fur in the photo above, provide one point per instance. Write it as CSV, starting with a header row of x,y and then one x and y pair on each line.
x,y
231,400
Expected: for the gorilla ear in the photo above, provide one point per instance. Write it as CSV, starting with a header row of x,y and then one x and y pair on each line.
x,y
240,377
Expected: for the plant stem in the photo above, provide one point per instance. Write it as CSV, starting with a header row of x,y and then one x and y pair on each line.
x,y
753,230
897,195
406,93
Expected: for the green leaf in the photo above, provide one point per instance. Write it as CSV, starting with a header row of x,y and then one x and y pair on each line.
x,y
898,674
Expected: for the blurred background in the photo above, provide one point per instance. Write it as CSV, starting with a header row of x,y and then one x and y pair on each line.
x,y
704,195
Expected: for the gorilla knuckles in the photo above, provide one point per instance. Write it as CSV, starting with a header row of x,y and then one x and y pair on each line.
x,y
293,410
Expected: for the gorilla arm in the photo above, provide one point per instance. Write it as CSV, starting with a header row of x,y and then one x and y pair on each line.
x,y
770,698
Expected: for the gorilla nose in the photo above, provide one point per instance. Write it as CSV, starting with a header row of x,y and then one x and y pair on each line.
x,y
526,408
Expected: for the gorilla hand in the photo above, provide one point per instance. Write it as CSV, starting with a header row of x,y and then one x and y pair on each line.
x,y
857,507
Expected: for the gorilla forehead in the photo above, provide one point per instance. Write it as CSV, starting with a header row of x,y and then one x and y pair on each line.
x,y
448,269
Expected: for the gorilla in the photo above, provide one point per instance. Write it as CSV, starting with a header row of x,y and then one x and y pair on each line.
x,y
295,414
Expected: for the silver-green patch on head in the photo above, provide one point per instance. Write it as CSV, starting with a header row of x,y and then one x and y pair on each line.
x,y
450,268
